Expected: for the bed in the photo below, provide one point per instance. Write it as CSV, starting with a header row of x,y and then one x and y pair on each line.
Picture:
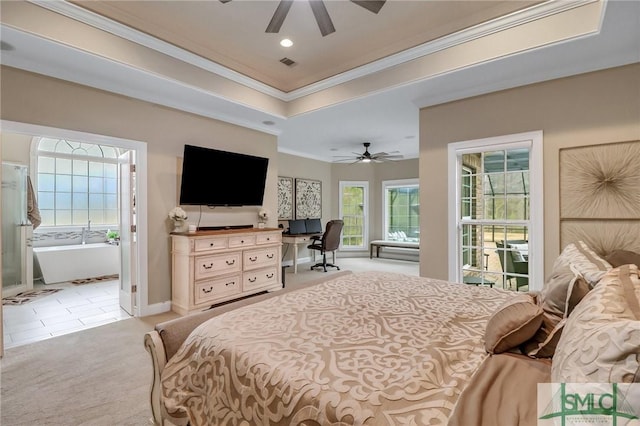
x,y
378,348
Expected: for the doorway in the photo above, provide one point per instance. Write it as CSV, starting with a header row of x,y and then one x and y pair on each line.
x,y
136,271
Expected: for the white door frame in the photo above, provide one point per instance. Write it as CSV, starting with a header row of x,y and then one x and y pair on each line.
x,y
141,188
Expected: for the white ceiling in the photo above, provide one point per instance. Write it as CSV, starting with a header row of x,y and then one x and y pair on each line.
x,y
323,112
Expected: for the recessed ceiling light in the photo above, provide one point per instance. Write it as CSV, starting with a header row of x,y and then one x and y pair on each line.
x,y
285,42
268,123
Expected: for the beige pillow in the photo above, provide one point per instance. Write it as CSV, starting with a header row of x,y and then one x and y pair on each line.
x,y
513,323
584,260
562,291
623,257
601,339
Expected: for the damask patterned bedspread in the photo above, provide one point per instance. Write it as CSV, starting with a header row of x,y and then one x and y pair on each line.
x,y
367,348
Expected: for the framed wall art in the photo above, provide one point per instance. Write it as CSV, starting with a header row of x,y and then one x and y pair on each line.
x,y
285,198
308,199
600,195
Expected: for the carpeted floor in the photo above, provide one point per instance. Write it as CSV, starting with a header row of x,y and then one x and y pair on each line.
x,y
101,376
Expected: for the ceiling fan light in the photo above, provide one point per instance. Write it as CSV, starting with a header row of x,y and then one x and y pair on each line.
x,y
366,160
285,42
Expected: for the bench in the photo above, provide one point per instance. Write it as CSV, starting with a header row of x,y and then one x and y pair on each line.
x,y
378,244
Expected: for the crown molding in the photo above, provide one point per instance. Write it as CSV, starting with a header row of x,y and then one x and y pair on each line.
x,y
533,13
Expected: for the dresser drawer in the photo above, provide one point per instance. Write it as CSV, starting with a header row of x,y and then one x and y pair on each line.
x,y
210,290
269,238
207,266
253,259
210,244
242,241
259,278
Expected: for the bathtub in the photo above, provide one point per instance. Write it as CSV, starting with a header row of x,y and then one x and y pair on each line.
x,y
67,263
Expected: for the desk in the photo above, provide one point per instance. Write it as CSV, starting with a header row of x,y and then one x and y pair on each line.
x,y
294,240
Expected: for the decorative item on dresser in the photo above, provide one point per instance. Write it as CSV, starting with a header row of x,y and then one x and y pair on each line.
x,y
210,267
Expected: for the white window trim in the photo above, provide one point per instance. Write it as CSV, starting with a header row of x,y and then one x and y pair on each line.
x,y
533,140
392,184
365,212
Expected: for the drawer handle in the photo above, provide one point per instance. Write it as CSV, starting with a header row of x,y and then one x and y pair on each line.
x,y
230,283
207,291
241,241
253,259
207,267
210,244
268,239
253,280
232,262
270,256
270,275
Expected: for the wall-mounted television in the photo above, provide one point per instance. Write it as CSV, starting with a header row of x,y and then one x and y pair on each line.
x,y
211,177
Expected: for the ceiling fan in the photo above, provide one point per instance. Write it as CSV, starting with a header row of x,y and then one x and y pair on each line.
x,y
367,157
319,12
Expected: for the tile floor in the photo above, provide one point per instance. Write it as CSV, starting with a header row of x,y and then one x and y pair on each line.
x,y
75,308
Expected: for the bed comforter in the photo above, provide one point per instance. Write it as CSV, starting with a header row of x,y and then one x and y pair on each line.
x,y
364,349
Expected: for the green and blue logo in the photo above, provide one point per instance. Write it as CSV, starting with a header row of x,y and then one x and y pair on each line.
x,y
592,404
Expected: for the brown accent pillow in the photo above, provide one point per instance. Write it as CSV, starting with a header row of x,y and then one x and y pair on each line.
x,y
562,291
623,257
601,338
513,323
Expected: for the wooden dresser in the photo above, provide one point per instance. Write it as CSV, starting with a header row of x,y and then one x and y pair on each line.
x,y
210,267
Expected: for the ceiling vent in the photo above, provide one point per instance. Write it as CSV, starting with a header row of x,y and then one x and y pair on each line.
x,y
288,62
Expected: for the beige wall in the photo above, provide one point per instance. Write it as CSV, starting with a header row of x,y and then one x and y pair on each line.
x,y
375,174
35,99
330,174
305,168
588,109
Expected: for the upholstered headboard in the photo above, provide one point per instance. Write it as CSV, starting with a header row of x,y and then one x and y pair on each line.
x,y
600,196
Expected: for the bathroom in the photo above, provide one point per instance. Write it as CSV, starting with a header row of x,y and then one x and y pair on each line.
x,y
60,225
74,191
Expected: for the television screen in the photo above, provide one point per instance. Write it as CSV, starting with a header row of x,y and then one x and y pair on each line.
x,y
219,178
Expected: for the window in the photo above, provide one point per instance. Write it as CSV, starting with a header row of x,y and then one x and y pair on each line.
x,y
496,194
76,182
353,211
401,215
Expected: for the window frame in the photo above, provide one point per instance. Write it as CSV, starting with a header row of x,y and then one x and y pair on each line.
x,y
365,213
532,140
36,153
397,183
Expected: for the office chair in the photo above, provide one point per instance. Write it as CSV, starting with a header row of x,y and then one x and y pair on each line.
x,y
330,241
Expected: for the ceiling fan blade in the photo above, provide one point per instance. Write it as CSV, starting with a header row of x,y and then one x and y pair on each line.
x,y
371,5
322,17
278,16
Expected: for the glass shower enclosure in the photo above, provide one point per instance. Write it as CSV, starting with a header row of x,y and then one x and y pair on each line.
x,y
17,233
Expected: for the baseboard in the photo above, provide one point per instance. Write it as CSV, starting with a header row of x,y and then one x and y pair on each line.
x,y
301,260
156,308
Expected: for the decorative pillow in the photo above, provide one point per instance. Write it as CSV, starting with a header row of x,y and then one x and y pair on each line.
x,y
562,291
623,257
601,340
584,260
513,323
